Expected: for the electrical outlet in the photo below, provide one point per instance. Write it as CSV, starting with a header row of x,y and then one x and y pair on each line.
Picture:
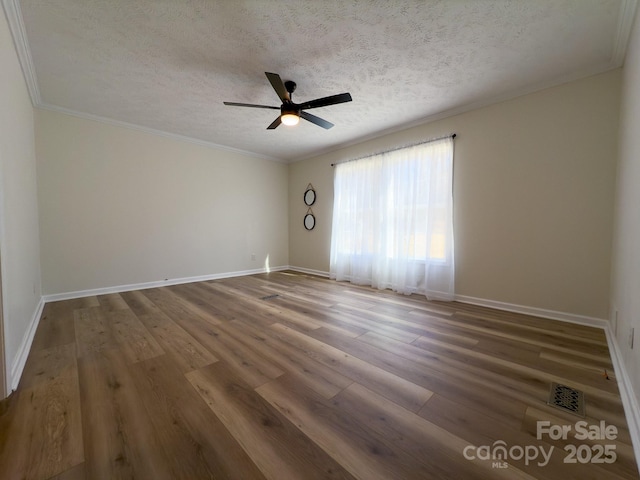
x,y
253,256
631,338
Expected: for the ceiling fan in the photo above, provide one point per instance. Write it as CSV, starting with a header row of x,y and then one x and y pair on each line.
x,y
290,112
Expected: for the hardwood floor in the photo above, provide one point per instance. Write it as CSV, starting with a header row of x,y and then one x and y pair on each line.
x,y
289,376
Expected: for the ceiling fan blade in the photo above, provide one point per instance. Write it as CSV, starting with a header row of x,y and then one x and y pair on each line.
x,y
278,86
235,104
317,120
275,123
323,102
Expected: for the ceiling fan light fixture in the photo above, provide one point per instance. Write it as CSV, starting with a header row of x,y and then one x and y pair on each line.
x,y
291,112
289,119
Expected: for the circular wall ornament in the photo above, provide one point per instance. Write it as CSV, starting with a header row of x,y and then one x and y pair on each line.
x,y
309,221
309,196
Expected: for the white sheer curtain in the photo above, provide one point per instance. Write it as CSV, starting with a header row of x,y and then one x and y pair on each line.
x,y
393,220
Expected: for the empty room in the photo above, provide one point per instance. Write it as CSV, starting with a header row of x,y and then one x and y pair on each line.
x,y
319,239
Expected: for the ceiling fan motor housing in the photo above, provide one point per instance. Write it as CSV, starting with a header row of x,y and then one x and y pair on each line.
x,y
289,108
290,86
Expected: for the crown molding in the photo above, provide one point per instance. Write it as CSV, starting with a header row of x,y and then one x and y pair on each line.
x,y
18,32
16,26
626,17
471,106
153,131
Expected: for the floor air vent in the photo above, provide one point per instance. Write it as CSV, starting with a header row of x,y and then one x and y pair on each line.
x,y
567,398
270,297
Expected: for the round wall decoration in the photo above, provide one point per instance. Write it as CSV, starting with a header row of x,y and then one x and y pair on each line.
x,y
309,199
309,221
309,195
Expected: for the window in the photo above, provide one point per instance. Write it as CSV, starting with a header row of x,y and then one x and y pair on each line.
x,y
392,220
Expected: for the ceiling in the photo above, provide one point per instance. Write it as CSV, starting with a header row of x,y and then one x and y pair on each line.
x,y
167,65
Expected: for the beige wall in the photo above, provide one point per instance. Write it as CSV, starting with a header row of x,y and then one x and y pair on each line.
x,y
533,193
119,207
626,262
19,247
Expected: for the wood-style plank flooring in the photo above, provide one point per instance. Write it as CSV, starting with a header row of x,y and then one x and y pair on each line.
x,y
289,376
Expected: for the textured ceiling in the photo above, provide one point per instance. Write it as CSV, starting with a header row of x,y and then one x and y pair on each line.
x,y
167,65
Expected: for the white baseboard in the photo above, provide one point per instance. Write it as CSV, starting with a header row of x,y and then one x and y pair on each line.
x,y
18,364
629,399
20,360
627,395
309,271
509,307
161,283
536,312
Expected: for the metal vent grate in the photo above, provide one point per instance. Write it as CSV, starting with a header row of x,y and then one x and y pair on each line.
x,y
567,398
269,297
